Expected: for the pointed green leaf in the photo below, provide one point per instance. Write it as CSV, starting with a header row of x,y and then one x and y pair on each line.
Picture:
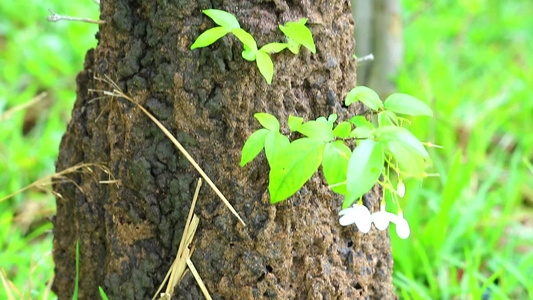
x,y
294,47
208,37
360,121
102,293
245,38
275,142
342,130
365,95
265,65
302,21
323,120
253,145
387,118
295,122
404,137
335,165
268,121
317,130
410,162
222,18
362,133
299,33
332,118
293,167
407,105
274,47
364,169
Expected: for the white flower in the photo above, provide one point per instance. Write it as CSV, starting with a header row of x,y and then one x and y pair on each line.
x,y
358,214
400,189
382,218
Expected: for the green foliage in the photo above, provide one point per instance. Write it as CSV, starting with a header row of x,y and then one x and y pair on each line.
x,y
35,56
209,36
472,228
222,18
364,170
407,105
297,34
76,283
102,293
347,173
294,166
365,95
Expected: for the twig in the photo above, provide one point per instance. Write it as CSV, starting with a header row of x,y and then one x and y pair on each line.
x,y
368,57
56,17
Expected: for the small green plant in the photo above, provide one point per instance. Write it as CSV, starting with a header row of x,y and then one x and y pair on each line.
x,y
384,148
297,35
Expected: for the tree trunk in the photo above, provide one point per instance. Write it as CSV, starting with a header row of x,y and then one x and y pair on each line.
x,y
129,234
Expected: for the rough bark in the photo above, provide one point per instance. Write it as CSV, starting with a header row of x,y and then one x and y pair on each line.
x,y
207,97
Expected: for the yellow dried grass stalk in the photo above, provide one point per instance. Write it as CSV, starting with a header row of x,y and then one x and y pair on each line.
x,y
60,177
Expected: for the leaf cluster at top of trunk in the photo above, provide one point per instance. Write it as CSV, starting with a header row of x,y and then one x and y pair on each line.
x,y
296,32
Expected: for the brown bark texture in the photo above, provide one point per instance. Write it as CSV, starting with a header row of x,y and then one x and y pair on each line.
x,y
129,234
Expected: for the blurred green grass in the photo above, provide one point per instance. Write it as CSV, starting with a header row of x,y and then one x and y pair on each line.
x,y
35,56
471,227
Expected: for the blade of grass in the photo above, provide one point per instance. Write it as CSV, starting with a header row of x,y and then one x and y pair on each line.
x,y
76,283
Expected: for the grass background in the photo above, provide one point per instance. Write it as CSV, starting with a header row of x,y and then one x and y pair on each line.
x,y
470,60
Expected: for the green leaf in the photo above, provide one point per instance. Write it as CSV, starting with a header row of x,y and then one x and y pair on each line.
x,y
342,130
362,133
323,120
208,37
245,38
265,65
250,46
410,163
332,118
274,47
76,283
253,145
294,46
268,121
299,33
386,118
317,130
295,122
302,21
294,166
222,18
102,293
364,169
404,137
365,95
335,165
407,105
360,121
275,142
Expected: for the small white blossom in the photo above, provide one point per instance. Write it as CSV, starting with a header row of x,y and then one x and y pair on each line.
x,y
382,219
400,189
358,214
